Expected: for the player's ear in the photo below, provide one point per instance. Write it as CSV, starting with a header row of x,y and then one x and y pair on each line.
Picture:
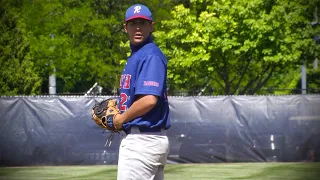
x,y
152,25
125,27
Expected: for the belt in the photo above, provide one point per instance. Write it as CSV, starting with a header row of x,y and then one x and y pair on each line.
x,y
142,130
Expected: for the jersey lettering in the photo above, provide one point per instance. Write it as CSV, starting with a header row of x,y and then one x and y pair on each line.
x,y
125,81
121,79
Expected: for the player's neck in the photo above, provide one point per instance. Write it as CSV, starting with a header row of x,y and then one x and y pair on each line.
x,y
135,48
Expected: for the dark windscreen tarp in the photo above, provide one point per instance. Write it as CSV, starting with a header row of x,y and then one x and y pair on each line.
x,y
58,130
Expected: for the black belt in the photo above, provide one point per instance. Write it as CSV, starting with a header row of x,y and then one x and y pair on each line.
x,y
144,130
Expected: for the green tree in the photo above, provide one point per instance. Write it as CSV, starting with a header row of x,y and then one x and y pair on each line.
x,y
75,39
80,39
235,47
17,70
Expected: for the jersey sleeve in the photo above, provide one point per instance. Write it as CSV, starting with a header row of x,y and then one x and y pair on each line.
x,y
151,76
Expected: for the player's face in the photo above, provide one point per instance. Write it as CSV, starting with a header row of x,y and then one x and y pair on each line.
x,y
138,30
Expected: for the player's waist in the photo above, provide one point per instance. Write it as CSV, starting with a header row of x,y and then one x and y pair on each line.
x,y
144,130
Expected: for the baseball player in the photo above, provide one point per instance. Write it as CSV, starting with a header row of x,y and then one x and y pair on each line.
x,y
143,102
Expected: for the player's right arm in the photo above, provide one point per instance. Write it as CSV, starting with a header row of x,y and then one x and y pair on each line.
x,y
142,105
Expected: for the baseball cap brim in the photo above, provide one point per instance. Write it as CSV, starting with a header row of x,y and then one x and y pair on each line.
x,y
139,17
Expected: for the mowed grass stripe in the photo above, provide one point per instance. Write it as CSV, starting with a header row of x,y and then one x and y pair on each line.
x,y
246,171
254,171
58,172
211,171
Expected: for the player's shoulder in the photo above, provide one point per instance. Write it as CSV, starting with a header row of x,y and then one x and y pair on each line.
x,y
152,49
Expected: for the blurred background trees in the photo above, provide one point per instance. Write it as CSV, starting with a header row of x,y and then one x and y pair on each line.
x,y
18,74
214,47
237,47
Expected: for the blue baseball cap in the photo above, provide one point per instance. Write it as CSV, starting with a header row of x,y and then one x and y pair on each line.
x,y
138,11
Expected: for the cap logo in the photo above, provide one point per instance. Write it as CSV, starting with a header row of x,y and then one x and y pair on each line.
x,y
137,9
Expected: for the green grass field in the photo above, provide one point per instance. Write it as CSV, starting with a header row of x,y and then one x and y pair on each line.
x,y
274,171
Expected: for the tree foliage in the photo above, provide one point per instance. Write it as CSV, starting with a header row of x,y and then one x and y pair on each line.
x,y
77,39
17,70
219,47
235,47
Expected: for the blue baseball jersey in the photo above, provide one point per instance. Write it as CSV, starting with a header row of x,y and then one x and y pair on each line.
x,y
145,73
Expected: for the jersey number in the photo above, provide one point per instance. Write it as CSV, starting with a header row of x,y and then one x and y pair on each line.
x,y
123,100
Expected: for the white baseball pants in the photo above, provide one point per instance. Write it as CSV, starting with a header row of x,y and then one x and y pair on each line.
x,y
142,156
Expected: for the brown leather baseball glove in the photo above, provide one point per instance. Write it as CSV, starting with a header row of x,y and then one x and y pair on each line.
x,y
104,112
